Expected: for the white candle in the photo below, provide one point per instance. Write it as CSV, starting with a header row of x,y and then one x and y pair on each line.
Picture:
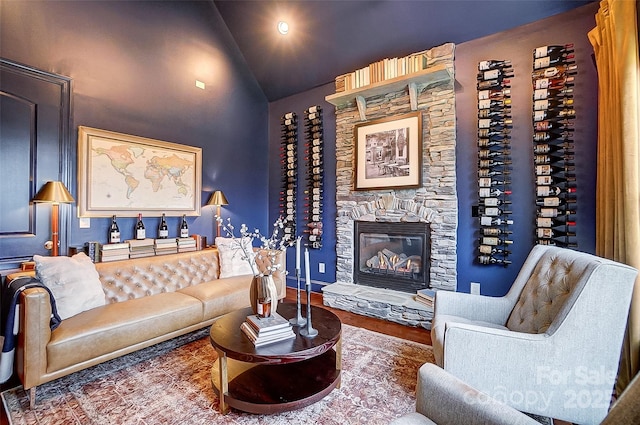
x,y
307,268
298,254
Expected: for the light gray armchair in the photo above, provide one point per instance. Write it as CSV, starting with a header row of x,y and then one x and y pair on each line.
x,y
443,399
551,345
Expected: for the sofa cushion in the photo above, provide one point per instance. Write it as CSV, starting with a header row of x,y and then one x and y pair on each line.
x,y
221,296
115,326
73,281
232,256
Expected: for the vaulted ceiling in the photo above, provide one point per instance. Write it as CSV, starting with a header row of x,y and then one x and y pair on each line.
x,y
332,37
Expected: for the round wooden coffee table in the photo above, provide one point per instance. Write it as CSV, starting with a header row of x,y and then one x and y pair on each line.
x,y
277,377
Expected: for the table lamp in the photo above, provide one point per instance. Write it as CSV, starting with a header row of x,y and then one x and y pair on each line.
x,y
55,193
217,199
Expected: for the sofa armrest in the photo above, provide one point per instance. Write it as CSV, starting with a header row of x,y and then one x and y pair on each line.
x,y
447,400
33,336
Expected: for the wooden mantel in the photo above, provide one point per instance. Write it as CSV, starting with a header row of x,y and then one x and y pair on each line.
x,y
432,76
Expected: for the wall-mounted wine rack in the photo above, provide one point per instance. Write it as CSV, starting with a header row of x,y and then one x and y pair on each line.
x,y
289,164
553,114
494,161
314,156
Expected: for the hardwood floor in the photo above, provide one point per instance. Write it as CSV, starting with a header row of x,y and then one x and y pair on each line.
x,y
377,325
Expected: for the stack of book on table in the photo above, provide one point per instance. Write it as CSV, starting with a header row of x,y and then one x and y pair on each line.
x,y
114,252
426,296
166,246
141,248
267,330
186,244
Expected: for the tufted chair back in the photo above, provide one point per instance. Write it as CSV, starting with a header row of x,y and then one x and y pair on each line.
x,y
555,283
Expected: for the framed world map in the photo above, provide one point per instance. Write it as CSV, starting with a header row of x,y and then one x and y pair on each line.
x,y
126,175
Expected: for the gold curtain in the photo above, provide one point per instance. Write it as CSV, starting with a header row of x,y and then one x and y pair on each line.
x,y
615,43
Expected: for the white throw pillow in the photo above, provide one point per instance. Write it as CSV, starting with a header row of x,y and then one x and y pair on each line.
x,y
74,282
232,257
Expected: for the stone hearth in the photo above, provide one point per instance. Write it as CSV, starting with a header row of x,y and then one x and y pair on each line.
x,y
435,202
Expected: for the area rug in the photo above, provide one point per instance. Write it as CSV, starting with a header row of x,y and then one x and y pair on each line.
x,y
170,383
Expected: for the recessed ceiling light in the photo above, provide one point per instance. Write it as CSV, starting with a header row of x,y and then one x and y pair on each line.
x,y
283,27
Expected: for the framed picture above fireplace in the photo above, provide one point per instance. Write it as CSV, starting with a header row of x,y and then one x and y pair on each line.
x,y
389,153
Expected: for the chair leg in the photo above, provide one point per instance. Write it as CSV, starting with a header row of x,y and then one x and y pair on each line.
x,y
32,398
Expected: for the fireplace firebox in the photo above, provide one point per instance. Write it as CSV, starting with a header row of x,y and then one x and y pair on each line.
x,y
391,255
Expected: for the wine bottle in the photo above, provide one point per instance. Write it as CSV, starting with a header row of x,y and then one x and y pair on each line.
x,y
485,172
494,103
163,229
545,93
555,71
139,230
489,143
549,180
489,123
114,231
552,113
491,113
556,83
184,227
493,64
551,158
556,171
493,211
314,231
487,259
546,148
497,94
556,127
485,192
568,219
488,163
490,221
488,153
493,202
488,182
494,231
554,191
553,201
492,250
493,133
313,238
495,74
493,241
548,61
558,49
553,213
545,104
494,83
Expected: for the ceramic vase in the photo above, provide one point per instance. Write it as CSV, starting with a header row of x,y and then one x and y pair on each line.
x,y
263,295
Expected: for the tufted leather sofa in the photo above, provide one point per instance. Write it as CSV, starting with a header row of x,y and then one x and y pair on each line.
x,y
148,300
551,345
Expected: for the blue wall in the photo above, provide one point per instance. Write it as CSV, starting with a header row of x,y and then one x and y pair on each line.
x,y
516,45
298,104
134,66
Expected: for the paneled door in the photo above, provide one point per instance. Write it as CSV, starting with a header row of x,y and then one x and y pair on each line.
x,y
35,147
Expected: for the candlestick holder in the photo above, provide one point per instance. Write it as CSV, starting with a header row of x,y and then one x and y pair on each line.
x,y
308,331
298,320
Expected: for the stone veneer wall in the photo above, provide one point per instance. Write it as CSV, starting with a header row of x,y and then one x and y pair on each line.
x,y
435,202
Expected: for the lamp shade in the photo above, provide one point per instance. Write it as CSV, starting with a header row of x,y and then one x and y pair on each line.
x,y
218,198
54,192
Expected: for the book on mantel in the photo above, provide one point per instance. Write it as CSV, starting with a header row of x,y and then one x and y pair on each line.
x,y
267,330
426,296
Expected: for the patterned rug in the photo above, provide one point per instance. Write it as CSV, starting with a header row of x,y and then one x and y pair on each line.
x,y
170,383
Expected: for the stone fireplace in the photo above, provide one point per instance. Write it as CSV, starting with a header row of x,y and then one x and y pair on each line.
x,y
433,204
